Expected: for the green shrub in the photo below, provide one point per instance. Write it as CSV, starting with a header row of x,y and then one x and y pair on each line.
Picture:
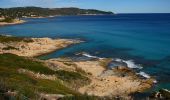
x,y
16,62
29,86
74,79
81,97
38,67
8,20
66,75
6,39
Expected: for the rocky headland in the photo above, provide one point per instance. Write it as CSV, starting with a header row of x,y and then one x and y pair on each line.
x,y
34,46
76,77
104,82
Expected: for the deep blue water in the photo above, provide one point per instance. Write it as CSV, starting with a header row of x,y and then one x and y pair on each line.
x,y
145,38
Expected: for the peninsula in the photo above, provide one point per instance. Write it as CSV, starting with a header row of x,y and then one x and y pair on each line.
x,y
33,12
62,78
11,16
10,21
31,47
84,50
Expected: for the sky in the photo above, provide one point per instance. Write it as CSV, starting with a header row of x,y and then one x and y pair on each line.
x,y
116,6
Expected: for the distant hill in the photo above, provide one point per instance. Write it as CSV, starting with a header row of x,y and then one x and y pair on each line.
x,y
44,12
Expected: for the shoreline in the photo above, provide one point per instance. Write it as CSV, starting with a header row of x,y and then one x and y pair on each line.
x,y
104,82
118,81
71,45
35,47
69,15
58,49
13,23
41,17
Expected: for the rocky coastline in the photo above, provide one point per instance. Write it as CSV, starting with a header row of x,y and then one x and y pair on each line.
x,y
99,80
35,46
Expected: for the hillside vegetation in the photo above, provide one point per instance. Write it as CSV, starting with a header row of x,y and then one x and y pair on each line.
x,y
28,86
20,12
7,39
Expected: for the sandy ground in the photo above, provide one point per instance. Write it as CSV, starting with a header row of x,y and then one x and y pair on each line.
x,y
39,46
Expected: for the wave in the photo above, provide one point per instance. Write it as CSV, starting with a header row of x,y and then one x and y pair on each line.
x,y
90,56
144,74
130,63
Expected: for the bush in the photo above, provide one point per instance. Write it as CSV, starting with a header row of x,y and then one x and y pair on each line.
x,y
15,62
81,97
24,84
29,86
8,20
6,39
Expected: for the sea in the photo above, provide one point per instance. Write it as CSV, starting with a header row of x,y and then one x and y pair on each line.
x,y
140,40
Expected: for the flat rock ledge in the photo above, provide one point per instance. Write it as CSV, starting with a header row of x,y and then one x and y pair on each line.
x,y
115,82
38,46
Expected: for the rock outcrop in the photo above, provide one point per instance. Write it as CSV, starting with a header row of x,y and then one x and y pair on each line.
x,y
38,46
162,94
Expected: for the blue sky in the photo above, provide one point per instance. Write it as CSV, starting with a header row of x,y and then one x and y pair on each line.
x,y
118,6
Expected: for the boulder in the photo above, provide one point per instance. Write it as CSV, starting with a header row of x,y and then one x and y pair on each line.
x,y
162,94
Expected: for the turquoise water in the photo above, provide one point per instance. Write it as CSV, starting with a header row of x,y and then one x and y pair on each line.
x,y
144,38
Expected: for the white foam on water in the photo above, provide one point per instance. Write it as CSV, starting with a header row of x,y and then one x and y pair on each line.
x,y
155,81
90,56
130,63
118,60
144,74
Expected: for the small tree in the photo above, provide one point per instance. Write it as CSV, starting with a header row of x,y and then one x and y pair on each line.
x,y
8,20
